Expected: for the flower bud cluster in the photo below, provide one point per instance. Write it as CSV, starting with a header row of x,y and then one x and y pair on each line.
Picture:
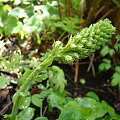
x,y
85,42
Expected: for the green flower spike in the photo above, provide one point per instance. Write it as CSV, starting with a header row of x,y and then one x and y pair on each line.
x,y
80,46
84,43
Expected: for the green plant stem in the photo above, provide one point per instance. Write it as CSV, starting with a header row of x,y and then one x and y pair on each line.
x,y
41,111
26,86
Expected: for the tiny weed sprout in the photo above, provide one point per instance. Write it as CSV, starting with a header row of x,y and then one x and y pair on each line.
x,y
86,42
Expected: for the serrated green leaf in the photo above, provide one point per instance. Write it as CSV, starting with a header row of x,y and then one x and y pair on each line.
x,y
68,24
42,76
56,99
104,51
57,78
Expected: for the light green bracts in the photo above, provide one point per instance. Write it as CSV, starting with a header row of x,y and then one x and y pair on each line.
x,y
83,44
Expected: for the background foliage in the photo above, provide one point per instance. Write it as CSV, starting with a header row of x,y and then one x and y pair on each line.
x,y
28,28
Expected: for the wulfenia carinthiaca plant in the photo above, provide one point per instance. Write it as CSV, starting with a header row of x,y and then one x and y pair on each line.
x,y
86,42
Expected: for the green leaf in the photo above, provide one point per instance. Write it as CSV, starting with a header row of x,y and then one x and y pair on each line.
x,y
111,52
3,15
118,37
37,100
117,69
24,96
25,102
18,12
117,47
87,108
15,59
33,24
115,79
82,81
106,65
25,75
92,95
30,10
101,109
56,99
70,112
37,38
17,2
68,24
26,114
17,28
90,108
57,78
42,76
104,51
3,82
6,64
10,24
42,87
111,112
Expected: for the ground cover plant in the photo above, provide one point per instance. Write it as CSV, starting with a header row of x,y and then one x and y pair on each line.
x,y
49,60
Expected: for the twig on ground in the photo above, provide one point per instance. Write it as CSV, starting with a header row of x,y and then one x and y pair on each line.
x,y
76,71
91,65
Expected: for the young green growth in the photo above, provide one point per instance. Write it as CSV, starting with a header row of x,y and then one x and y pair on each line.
x,y
80,46
84,43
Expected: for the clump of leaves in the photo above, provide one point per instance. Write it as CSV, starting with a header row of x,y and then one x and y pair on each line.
x,y
80,46
88,107
110,53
